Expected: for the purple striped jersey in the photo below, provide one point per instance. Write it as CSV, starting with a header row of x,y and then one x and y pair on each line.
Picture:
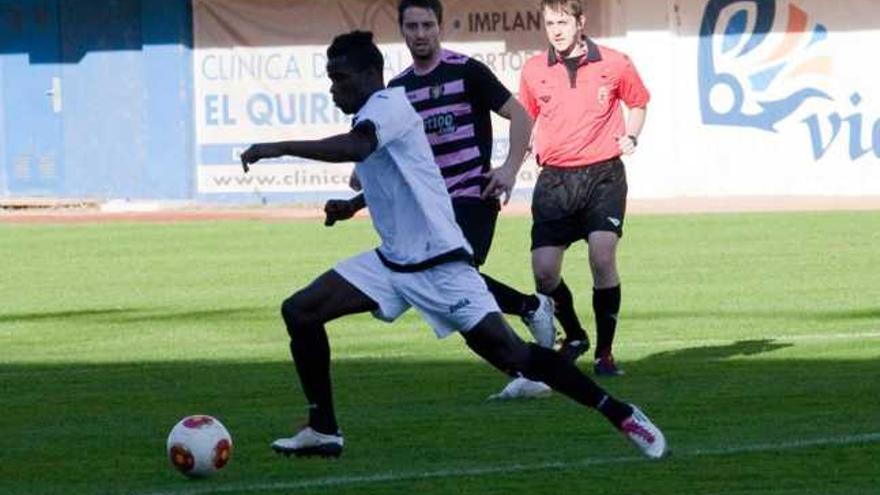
x,y
455,101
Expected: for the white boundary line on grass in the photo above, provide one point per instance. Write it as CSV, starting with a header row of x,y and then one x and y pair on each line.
x,y
514,468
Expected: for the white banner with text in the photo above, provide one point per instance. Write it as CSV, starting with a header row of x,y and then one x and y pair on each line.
x,y
749,97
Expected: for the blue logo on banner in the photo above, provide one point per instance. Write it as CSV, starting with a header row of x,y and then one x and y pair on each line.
x,y
738,35
747,81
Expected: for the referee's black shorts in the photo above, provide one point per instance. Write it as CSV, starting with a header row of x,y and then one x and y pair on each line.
x,y
477,219
570,203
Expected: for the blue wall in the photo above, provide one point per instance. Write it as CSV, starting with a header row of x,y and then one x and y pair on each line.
x,y
125,72
3,187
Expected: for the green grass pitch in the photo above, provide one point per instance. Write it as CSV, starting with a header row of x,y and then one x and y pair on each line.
x,y
752,340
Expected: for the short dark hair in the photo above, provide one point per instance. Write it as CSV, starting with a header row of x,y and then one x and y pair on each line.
x,y
358,49
434,5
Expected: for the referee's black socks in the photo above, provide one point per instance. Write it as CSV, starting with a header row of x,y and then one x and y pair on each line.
x,y
606,306
565,312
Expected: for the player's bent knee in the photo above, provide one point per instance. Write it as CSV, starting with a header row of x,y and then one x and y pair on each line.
x,y
288,312
296,313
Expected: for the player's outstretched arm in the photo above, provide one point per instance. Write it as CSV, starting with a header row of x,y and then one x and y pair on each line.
x,y
353,146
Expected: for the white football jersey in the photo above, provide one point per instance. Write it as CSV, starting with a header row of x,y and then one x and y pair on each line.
x,y
409,205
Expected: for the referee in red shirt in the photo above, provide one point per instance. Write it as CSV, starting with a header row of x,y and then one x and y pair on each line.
x,y
574,91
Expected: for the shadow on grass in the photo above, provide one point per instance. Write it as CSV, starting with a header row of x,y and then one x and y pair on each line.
x,y
716,352
80,428
135,315
202,315
96,313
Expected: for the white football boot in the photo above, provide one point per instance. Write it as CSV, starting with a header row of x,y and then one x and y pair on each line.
x,y
540,322
644,434
523,388
309,442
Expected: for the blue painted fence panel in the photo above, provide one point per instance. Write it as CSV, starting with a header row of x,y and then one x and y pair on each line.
x,y
122,126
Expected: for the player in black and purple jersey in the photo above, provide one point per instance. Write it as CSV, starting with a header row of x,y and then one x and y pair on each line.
x,y
455,95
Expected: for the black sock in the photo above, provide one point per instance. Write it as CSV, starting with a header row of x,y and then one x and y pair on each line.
x,y
614,410
565,312
606,306
510,300
564,377
311,355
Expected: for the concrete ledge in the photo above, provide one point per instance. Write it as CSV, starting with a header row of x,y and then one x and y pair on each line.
x,y
47,203
40,210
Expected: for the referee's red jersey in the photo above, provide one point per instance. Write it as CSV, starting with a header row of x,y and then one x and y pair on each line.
x,y
577,111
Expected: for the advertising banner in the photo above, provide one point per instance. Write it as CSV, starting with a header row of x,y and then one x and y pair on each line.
x,y
260,76
749,97
775,98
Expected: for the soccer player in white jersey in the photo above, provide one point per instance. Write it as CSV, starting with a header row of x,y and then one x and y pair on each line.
x,y
423,261
456,96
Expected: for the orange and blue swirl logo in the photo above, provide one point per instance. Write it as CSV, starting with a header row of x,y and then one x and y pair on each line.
x,y
760,61
749,79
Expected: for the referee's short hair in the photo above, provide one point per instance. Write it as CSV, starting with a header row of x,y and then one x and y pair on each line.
x,y
572,7
358,49
434,5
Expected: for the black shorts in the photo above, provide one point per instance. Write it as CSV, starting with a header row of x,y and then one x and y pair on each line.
x,y
570,203
477,220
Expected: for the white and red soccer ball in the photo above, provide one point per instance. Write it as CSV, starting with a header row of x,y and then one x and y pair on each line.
x,y
199,445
